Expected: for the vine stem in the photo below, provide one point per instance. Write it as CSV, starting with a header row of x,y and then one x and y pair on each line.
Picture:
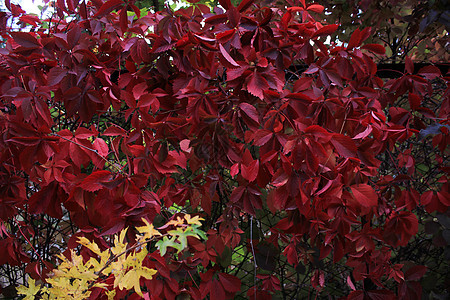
x,y
32,247
119,170
254,257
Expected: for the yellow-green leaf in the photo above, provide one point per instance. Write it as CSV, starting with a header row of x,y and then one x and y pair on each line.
x,y
30,291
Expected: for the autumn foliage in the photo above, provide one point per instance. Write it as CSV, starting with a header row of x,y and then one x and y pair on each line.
x,y
315,176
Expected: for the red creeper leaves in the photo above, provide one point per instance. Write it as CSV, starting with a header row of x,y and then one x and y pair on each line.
x,y
293,149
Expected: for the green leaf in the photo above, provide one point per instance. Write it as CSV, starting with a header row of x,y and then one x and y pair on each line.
x,y
168,242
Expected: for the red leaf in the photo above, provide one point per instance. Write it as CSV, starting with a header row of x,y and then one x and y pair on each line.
x,y
344,145
101,147
25,39
26,140
179,159
299,96
415,273
233,16
363,134
114,131
73,36
414,101
365,195
226,35
55,75
108,7
262,136
295,9
226,4
430,72
123,19
230,283
315,8
250,111
250,172
286,19
236,194
47,200
350,283
280,179
291,254
245,4
410,222
356,295
319,133
227,56
256,84
381,295
326,30
83,133
32,20
355,39
444,198
205,39
217,292
409,65
234,170
216,19
93,182
375,48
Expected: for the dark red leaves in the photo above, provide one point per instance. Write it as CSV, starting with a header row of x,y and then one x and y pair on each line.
x,y
249,167
415,273
326,30
429,72
315,8
243,113
409,65
25,39
55,75
11,252
234,16
94,181
108,7
375,48
355,39
256,84
216,290
48,200
228,57
344,145
230,283
245,4
261,137
250,111
365,195
400,227
414,101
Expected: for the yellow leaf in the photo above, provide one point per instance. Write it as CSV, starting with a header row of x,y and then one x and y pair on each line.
x,y
131,279
195,220
148,231
119,243
101,285
90,245
111,294
29,291
177,222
